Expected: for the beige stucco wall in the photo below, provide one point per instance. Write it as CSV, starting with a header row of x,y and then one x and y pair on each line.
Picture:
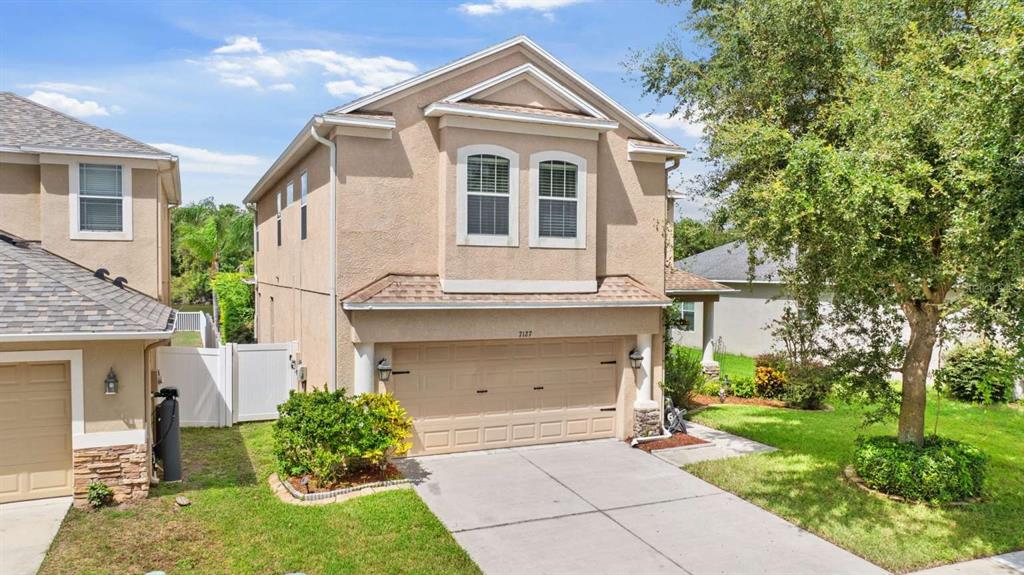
x,y
34,205
523,93
124,411
19,199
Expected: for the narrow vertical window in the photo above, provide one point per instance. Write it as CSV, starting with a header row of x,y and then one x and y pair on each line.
x,y
100,198
304,191
280,204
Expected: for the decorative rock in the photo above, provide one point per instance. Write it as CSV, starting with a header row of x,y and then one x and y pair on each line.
x,y
182,501
646,422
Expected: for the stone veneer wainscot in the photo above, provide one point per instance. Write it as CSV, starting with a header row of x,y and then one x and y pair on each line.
x,y
122,468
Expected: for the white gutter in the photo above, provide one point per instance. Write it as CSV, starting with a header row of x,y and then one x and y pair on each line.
x,y
86,335
441,108
97,153
491,305
332,224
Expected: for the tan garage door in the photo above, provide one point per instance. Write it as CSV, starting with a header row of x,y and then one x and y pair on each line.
x,y
481,395
35,431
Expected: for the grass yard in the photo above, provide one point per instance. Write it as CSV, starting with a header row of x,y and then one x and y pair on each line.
x,y
186,339
732,365
235,525
801,482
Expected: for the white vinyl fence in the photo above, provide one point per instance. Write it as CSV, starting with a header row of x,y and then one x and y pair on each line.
x,y
198,321
220,386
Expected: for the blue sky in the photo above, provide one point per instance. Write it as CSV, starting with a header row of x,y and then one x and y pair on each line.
x,y
225,86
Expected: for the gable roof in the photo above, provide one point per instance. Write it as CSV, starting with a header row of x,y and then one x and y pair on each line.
x,y
27,126
515,41
731,263
679,282
44,296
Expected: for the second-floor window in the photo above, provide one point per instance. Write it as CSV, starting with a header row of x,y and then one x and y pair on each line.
x,y
100,198
558,195
304,191
488,190
281,199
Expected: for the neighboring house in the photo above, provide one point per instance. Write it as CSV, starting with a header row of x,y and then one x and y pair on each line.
x,y
75,198
485,231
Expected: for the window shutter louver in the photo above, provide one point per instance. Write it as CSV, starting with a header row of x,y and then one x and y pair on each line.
x,y
487,188
100,198
557,217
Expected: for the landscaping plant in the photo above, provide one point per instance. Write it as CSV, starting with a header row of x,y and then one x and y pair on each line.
x,y
98,494
808,385
234,298
769,382
742,387
979,372
940,471
684,376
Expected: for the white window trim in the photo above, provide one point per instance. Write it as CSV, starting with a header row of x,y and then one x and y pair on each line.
x,y
303,187
74,183
580,241
463,238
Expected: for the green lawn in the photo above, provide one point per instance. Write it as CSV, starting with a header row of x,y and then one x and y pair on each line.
x,y
732,365
235,525
186,339
801,482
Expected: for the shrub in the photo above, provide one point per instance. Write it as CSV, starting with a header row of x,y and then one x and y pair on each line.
x,y
942,471
776,361
234,298
980,373
769,383
807,386
684,376
325,434
711,387
742,387
98,495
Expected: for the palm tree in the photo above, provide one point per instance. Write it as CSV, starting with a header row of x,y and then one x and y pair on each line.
x,y
213,236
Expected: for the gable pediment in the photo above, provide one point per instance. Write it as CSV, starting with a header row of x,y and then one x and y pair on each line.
x,y
527,86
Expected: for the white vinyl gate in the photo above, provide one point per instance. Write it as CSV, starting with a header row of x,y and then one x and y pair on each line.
x,y
224,385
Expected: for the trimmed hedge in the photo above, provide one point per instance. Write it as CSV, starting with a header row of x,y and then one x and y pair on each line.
x,y
234,298
941,471
979,373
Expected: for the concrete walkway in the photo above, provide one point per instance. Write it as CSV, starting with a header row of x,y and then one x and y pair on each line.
x,y
1007,564
721,445
26,530
603,507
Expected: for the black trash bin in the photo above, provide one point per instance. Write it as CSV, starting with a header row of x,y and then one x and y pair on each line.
x,y
167,447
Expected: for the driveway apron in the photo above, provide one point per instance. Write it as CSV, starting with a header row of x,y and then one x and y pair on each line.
x,y
603,507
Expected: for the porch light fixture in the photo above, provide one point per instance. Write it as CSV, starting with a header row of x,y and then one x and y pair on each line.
x,y
384,370
110,384
635,358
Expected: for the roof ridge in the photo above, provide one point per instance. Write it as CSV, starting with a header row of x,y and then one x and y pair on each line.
x,y
113,306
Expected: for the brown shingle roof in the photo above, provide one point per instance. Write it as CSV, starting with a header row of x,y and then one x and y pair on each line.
x,y
678,281
42,293
405,291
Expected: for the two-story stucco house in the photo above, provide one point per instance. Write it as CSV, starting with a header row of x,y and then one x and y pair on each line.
x,y
84,283
493,232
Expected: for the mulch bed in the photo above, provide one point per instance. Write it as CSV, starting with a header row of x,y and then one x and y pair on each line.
x,y
703,400
361,476
677,440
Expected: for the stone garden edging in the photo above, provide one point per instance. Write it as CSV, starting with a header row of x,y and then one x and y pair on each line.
x,y
287,493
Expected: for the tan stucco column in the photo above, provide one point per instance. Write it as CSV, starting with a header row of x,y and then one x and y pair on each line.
x,y
364,377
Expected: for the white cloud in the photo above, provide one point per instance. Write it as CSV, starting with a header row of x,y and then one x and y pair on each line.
x,y
240,45
65,87
346,74
545,7
692,129
203,161
69,105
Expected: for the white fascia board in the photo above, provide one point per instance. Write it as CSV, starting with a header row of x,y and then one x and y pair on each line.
x,y
84,336
672,292
492,305
523,40
96,153
284,159
355,121
638,148
529,70
438,109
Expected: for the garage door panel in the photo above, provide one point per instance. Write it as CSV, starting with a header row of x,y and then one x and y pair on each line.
x,y
537,391
35,431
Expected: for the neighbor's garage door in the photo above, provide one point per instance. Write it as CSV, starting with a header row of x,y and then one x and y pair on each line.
x,y
481,395
35,431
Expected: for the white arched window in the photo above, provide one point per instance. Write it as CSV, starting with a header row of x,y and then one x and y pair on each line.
x,y
488,196
558,200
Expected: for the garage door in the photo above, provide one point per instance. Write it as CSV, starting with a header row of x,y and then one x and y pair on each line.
x,y
35,431
481,395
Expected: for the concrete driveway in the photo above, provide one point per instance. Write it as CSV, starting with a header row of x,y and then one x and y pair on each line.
x,y
603,507
26,530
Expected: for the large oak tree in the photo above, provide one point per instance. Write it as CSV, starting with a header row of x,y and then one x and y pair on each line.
x,y
882,143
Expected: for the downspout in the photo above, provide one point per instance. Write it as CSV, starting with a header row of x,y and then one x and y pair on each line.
x,y
147,410
332,225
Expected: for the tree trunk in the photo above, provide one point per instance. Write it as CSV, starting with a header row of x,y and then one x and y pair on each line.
x,y
924,320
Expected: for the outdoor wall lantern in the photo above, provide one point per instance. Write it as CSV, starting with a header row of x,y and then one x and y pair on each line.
x,y
384,370
635,358
110,384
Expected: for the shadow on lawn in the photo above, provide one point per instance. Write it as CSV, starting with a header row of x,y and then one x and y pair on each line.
x,y
212,458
